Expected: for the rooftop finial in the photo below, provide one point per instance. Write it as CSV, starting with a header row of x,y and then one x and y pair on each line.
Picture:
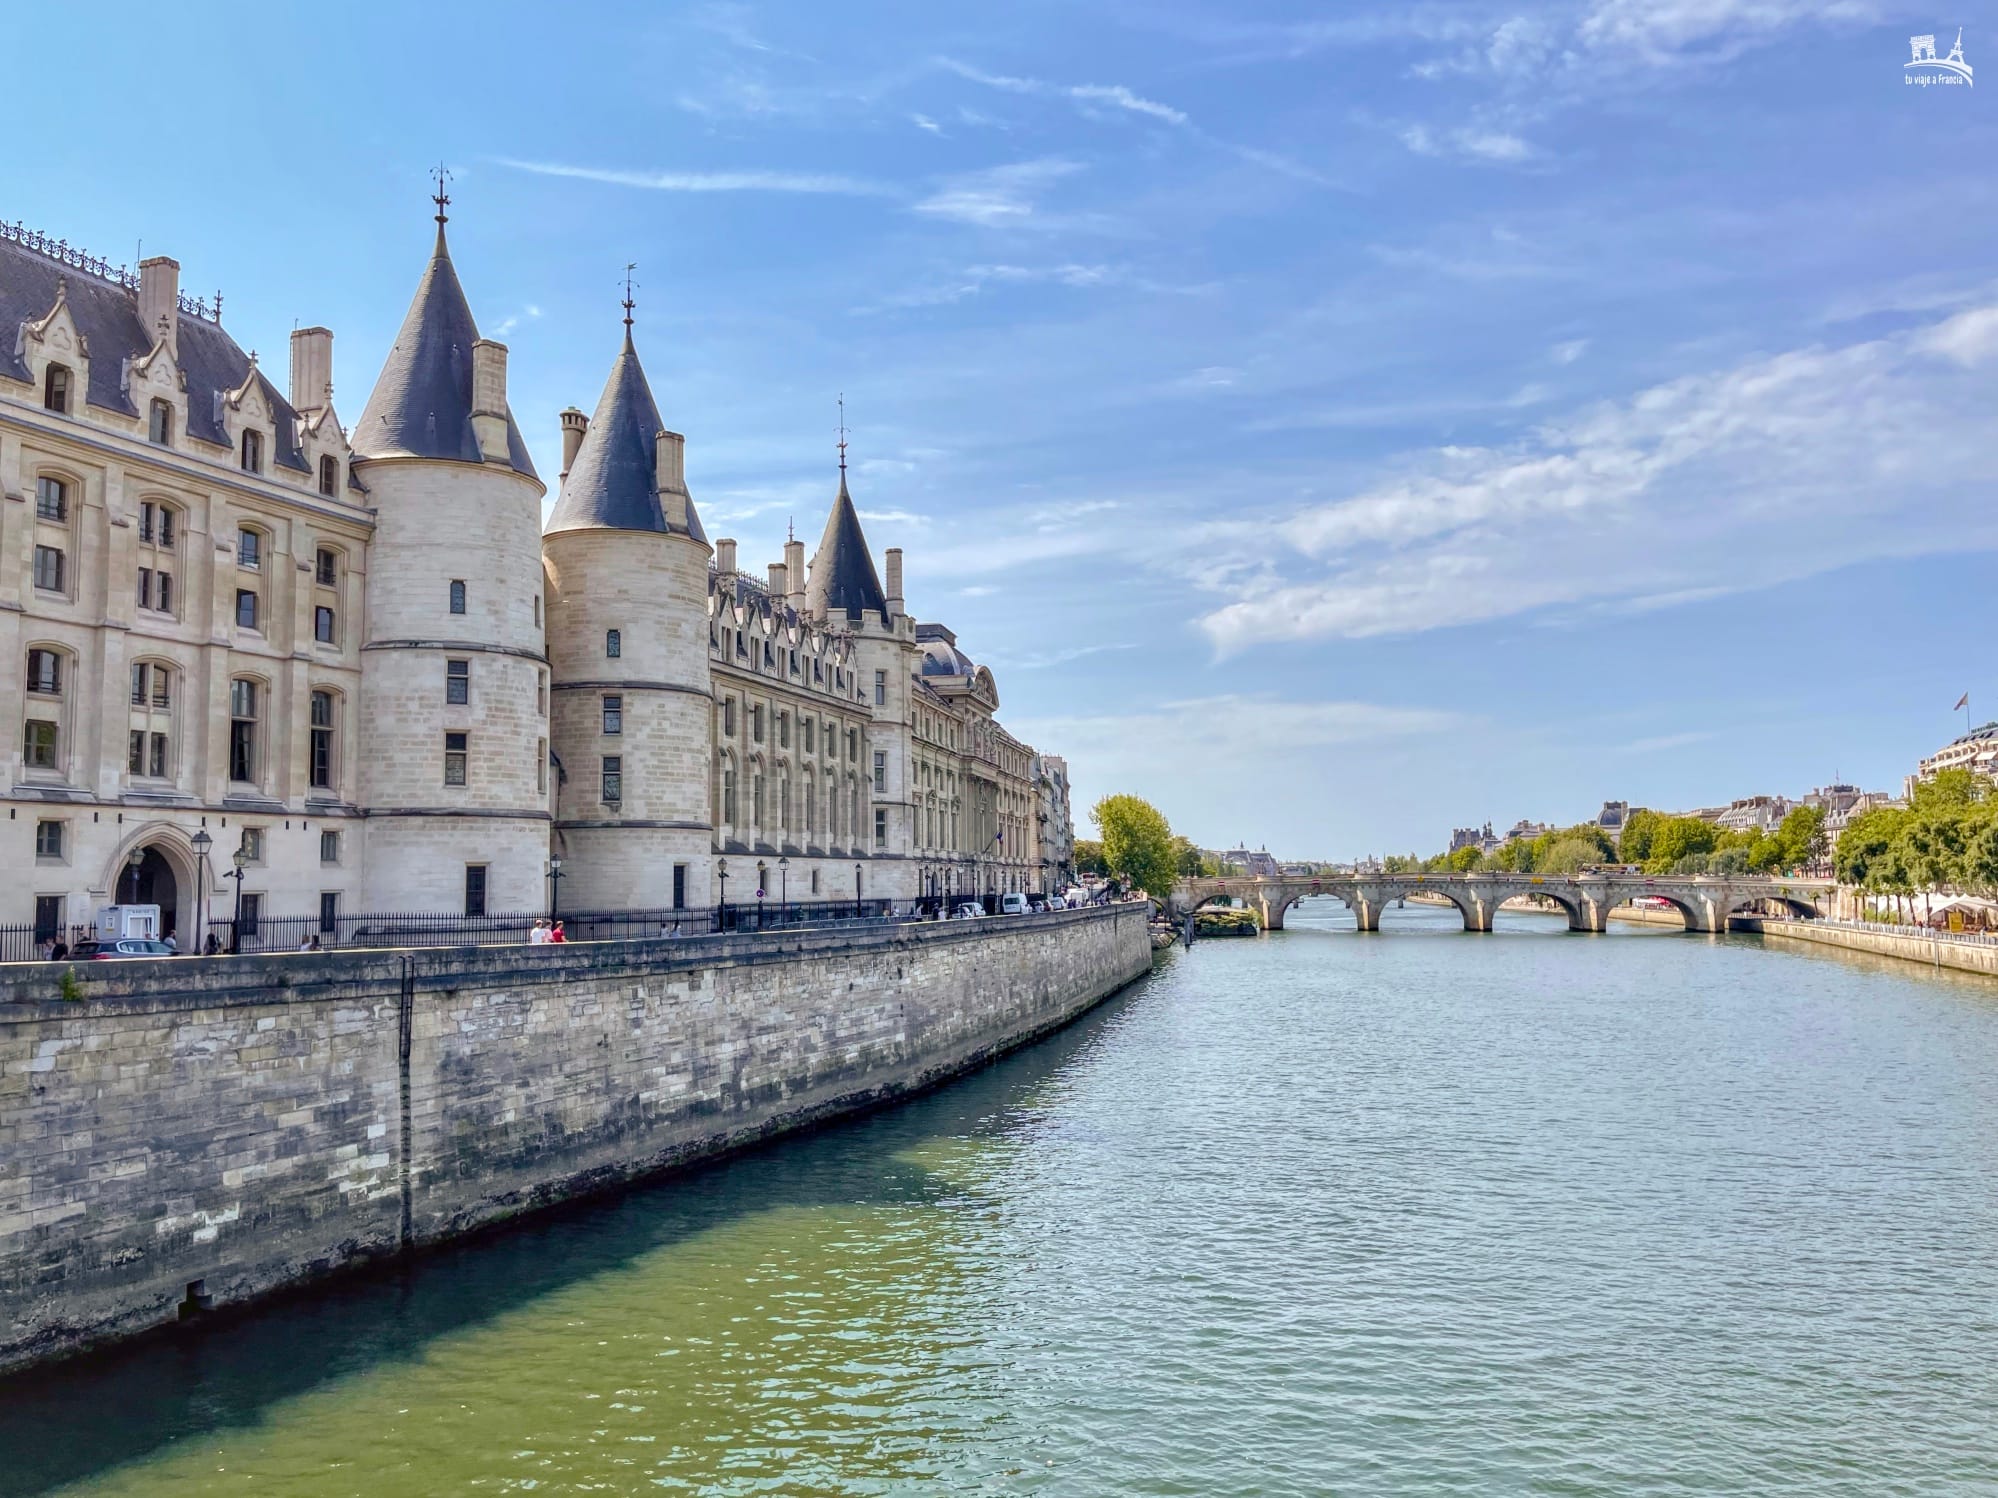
x,y
441,198
630,266
842,435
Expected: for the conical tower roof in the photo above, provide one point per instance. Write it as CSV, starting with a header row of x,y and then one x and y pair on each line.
x,y
421,406
843,575
613,483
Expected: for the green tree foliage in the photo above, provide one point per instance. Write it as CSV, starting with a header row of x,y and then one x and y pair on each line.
x,y
1661,844
1945,838
1188,861
1568,855
1465,859
1137,843
1089,857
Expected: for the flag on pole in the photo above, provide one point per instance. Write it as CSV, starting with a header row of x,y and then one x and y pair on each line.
x,y
1962,702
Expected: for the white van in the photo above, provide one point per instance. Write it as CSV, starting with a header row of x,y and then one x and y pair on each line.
x,y
1013,904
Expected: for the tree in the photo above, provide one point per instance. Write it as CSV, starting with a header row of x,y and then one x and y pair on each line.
x,y
1089,857
1187,858
1137,843
1570,855
1465,859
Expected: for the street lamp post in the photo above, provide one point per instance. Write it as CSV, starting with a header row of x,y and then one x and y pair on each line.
x,y
241,859
784,888
555,877
856,892
202,843
721,868
132,862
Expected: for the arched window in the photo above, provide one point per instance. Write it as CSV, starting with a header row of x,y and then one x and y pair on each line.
x,y
55,389
245,711
149,731
253,452
329,475
457,595
159,423
614,643
324,740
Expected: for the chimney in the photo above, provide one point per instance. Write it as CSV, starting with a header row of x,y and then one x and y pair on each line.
x,y
311,369
724,555
159,300
669,472
794,573
574,424
776,582
894,582
489,399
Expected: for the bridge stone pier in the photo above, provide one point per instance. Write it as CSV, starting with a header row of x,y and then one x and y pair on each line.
x,y
1705,903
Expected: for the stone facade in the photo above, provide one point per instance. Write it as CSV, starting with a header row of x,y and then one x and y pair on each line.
x,y
362,662
198,1133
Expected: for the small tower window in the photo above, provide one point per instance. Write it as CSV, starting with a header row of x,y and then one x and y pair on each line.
x,y
329,475
159,424
457,595
614,643
55,389
253,452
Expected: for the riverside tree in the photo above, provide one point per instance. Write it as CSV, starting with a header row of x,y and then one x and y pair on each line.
x,y
1137,843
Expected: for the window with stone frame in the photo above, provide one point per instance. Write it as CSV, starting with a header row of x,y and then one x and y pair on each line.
x,y
613,706
613,778
48,839
248,607
329,476
159,423
56,389
456,754
253,452
457,683
326,567
457,595
323,625
324,717
245,723
52,499
51,569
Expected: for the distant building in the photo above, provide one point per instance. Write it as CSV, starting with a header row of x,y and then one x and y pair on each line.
x,y
1976,751
1255,862
1754,814
1473,837
1298,870
1612,818
1841,803
1524,831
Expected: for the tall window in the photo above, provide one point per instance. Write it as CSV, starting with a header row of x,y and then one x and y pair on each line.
x,y
613,715
243,717
880,828
48,839
614,643
728,795
454,758
157,524
329,847
811,806
541,766
329,912
159,423
322,740
253,844
457,595
880,771
249,548
457,683
246,608
880,688
728,716
322,624
475,889
55,389
50,570
329,475
51,499
45,672
38,744
756,722
253,452
326,567
679,886
613,777
149,745
249,915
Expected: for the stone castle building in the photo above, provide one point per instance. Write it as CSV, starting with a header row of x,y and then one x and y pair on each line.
x,y
360,660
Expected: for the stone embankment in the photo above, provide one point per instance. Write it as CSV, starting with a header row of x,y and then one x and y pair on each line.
x,y
1935,950
176,1136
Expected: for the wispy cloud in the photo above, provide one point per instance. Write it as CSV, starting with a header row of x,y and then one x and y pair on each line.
x,y
719,181
924,122
1569,351
514,319
1114,94
1498,147
999,196
1666,741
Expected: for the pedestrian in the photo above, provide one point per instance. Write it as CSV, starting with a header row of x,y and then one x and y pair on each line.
x,y
212,947
61,951
171,943
539,935
555,934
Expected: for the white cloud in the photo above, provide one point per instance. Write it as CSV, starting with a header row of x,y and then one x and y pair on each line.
x,y
1470,143
1779,468
1114,94
1666,31
999,196
1568,352
924,122
1123,98
737,181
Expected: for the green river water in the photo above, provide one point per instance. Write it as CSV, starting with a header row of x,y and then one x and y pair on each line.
x,y
1416,1213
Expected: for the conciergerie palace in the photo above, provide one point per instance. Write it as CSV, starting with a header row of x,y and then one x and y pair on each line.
x,y
361,659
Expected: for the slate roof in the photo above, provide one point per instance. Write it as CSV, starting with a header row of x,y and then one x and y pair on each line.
x,y
421,406
941,657
107,315
843,575
613,484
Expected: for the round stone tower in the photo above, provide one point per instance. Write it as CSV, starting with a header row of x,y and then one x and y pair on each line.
x,y
627,568
454,682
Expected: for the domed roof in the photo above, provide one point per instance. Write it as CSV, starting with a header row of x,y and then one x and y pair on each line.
x,y
942,658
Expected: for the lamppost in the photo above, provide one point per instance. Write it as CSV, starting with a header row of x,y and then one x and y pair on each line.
x,y
202,843
132,862
555,877
784,886
721,868
856,891
762,889
241,859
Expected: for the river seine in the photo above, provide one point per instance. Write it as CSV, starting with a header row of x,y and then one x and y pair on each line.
x,y
1421,1213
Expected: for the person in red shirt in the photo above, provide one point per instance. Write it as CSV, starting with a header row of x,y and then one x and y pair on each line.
x,y
556,934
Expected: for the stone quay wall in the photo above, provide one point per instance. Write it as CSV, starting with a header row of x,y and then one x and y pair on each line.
x,y
182,1135
1934,951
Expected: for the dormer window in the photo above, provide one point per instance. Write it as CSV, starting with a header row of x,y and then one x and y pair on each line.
x,y
55,389
159,423
329,476
253,452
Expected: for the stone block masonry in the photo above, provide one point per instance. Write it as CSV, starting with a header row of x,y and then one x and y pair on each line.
x,y
196,1133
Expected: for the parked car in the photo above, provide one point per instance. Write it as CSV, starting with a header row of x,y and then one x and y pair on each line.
x,y
1056,902
968,912
1014,903
123,946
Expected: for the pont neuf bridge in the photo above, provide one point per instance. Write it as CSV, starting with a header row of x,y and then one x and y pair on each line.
x,y
1705,902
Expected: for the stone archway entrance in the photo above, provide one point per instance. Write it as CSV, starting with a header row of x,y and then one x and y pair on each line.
x,y
160,878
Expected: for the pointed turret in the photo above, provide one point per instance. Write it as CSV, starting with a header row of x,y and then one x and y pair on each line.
x,y
843,575
423,404
616,481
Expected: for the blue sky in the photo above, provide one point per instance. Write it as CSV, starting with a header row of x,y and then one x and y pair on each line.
x,y
1335,423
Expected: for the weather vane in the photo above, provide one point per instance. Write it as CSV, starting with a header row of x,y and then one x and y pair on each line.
x,y
842,431
630,266
441,198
